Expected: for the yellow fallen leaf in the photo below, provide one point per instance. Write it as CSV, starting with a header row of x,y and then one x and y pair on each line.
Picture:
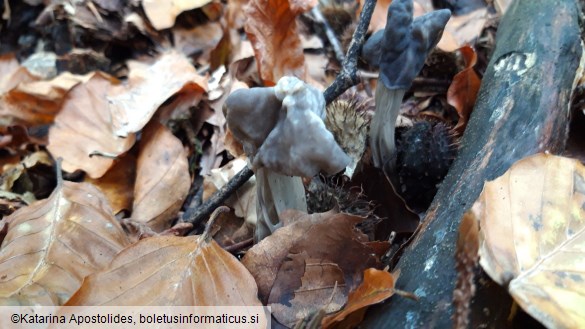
x,y
532,236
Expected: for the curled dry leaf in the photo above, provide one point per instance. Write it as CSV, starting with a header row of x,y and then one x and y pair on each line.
x,y
162,177
322,289
162,13
167,271
377,286
82,134
118,183
149,87
380,14
289,265
463,30
12,73
272,29
243,201
198,41
53,244
532,228
25,98
463,90
13,172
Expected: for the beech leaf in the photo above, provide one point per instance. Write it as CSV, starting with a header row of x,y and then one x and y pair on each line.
x,y
54,243
532,233
272,29
82,134
26,98
312,258
149,86
162,178
118,183
377,286
167,271
463,90
162,13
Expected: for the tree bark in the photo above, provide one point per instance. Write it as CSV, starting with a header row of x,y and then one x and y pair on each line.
x,y
522,108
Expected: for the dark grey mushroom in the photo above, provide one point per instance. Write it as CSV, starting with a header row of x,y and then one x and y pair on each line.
x,y
400,51
283,134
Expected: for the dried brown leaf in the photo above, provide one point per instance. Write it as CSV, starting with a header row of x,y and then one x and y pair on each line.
x,y
280,262
380,14
25,98
149,87
322,288
12,73
162,178
463,30
167,270
82,134
14,172
199,41
532,231
463,91
377,286
118,183
243,201
271,27
162,13
231,230
53,244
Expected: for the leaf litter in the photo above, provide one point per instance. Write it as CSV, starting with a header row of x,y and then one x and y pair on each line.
x,y
130,98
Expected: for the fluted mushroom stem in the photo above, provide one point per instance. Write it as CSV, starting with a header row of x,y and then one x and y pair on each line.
x,y
275,193
383,125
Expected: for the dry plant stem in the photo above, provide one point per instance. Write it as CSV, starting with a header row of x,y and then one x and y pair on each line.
x,y
382,127
207,232
220,196
348,76
330,34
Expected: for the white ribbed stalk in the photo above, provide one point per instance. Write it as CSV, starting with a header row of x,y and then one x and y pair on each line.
x,y
276,193
383,125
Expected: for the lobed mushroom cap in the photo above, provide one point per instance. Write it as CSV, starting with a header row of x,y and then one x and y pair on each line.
x,y
400,50
293,141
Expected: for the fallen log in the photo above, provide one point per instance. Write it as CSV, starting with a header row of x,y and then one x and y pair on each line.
x,y
522,109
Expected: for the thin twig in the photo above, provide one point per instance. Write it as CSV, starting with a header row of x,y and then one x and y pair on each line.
x,y
238,246
348,76
220,196
331,37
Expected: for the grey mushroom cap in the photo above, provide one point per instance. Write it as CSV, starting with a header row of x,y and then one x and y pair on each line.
x,y
251,115
400,50
292,138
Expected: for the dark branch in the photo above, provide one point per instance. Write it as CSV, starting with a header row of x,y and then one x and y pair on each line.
x,y
331,37
348,77
219,197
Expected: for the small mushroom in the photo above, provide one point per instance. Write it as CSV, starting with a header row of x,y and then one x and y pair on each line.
x,y
400,51
282,131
